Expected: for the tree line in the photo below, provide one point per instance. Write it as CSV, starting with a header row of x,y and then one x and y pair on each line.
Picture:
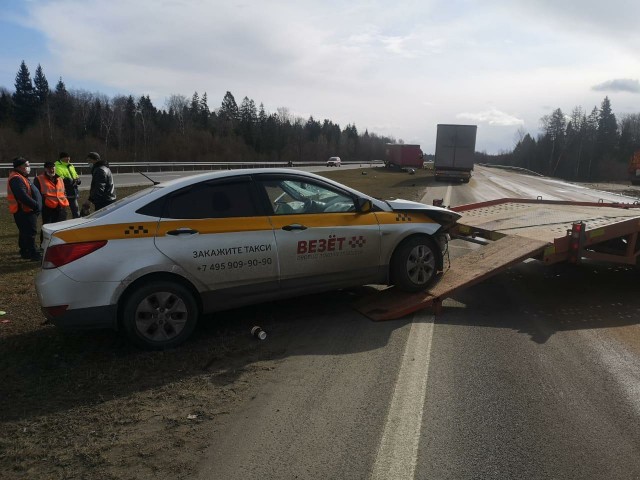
x,y
37,122
580,146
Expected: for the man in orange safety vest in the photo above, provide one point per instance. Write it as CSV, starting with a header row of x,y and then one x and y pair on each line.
x,y
51,187
25,203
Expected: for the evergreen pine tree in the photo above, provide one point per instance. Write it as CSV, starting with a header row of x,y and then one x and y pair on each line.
x,y
229,108
61,106
24,99
41,87
313,129
228,114
248,119
591,133
262,115
607,137
129,125
204,112
6,107
194,108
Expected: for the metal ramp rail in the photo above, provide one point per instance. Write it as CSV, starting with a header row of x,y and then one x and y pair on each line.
x,y
517,229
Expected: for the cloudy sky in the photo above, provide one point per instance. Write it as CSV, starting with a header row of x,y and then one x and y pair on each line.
x,y
394,68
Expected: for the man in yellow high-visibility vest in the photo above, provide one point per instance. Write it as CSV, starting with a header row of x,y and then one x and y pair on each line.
x,y
66,171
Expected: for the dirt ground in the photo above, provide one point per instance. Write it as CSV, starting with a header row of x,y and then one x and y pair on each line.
x,y
621,188
89,405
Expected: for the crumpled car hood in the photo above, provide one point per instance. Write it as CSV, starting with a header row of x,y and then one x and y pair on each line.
x,y
445,217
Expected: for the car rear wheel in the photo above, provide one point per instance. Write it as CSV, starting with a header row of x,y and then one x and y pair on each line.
x,y
414,264
160,314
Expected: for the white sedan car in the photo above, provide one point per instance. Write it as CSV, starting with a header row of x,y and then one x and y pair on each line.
x,y
152,263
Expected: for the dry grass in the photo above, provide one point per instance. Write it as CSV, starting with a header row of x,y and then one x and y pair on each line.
x,y
88,405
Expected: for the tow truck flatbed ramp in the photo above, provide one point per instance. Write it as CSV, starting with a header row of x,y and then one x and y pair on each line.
x,y
464,271
608,232
548,230
543,219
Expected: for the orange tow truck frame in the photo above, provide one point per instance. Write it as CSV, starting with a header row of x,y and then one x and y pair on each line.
x,y
511,230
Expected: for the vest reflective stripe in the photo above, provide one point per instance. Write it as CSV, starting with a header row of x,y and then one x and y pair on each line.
x,y
11,199
52,193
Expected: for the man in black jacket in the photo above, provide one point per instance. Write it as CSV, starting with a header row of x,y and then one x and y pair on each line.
x,y
25,203
103,191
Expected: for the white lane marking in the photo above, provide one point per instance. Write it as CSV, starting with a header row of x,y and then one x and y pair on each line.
x,y
447,197
398,450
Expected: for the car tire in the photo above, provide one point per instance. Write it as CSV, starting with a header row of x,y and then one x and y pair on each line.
x,y
159,315
414,264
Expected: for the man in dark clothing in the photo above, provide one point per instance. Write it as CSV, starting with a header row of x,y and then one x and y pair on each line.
x,y
103,191
25,203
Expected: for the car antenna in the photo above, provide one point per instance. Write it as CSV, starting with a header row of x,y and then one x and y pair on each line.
x,y
152,181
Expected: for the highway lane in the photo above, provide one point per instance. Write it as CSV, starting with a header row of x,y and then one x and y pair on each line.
x,y
534,373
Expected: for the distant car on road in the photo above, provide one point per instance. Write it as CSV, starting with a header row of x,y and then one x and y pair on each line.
x,y
152,263
334,162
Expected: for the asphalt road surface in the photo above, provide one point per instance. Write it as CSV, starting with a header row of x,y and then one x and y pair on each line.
x,y
534,373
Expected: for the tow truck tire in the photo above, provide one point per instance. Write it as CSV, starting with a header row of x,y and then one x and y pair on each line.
x,y
160,314
414,264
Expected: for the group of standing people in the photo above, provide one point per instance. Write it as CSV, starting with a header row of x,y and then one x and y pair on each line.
x,y
51,193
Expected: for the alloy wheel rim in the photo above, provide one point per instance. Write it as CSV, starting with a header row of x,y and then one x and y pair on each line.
x,y
161,316
421,264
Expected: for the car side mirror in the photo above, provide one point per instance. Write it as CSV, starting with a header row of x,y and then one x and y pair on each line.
x,y
364,205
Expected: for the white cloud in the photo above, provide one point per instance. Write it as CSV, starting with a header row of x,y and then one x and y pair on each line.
x,y
365,62
493,116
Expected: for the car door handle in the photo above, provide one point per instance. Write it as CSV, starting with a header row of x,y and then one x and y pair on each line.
x,y
182,231
294,226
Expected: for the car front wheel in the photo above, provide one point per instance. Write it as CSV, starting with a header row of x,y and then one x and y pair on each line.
x,y
414,264
159,315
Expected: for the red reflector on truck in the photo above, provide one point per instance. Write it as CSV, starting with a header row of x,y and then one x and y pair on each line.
x,y
59,255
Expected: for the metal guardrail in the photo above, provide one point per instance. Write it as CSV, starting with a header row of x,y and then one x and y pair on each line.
x,y
133,167
509,167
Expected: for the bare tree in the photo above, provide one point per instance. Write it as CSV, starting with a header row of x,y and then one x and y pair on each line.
x,y
107,116
178,105
284,116
119,105
83,107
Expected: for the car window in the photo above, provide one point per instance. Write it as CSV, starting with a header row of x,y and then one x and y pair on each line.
x,y
212,200
123,201
290,197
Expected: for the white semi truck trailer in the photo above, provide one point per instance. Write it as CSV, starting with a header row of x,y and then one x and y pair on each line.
x,y
455,151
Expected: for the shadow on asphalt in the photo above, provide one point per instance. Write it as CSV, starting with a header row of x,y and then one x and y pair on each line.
x,y
541,300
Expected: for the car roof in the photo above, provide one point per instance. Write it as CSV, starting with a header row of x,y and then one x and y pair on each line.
x,y
164,188
218,174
